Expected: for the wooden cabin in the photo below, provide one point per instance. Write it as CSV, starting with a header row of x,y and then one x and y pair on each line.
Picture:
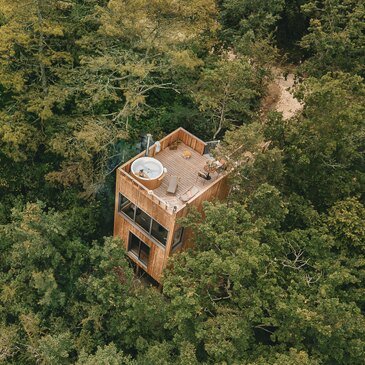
x,y
149,202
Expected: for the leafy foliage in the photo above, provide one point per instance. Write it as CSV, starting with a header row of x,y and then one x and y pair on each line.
x,y
336,36
277,270
325,156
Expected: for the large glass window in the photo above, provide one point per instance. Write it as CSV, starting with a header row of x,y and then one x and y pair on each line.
x,y
122,201
134,244
159,232
143,220
129,209
144,253
126,206
139,249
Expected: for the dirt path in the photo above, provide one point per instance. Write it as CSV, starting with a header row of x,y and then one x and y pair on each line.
x,y
279,96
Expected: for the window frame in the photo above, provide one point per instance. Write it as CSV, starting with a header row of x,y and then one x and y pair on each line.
x,y
150,218
176,245
154,237
120,204
133,220
140,242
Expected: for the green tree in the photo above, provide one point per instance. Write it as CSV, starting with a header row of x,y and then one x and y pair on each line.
x,y
107,355
70,93
34,57
250,289
323,147
335,39
226,93
245,16
133,54
253,157
57,292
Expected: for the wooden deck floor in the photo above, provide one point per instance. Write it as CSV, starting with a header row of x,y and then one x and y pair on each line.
x,y
185,169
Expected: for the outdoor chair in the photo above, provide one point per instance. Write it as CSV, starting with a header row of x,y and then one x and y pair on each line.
x,y
173,183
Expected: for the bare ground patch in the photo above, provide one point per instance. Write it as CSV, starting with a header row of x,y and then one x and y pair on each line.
x,y
279,95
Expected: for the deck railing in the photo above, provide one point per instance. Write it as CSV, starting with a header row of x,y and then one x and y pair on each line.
x,y
146,192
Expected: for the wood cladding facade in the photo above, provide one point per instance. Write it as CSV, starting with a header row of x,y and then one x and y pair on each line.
x,y
156,208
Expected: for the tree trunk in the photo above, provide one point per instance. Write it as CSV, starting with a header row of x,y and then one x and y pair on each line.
x,y
222,114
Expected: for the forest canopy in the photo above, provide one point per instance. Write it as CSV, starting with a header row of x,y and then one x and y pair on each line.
x,y
277,273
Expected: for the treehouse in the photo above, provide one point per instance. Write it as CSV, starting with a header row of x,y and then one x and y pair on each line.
x,y
156,188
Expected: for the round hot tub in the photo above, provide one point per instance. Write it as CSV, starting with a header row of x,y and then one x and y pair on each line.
x,y
148,171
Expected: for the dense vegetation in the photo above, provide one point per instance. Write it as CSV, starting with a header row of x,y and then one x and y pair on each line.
x,y
278,273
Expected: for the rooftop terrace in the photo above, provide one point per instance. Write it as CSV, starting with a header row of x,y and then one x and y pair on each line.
x,y
186,169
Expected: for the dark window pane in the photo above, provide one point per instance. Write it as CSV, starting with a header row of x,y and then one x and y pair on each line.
x,y
159,232
138,248
129,210
144,253
177,237
123,201
143,219
134,244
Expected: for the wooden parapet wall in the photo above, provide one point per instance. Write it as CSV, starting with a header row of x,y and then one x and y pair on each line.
x,y
184,136
132,186
179,134
190,140
218,190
